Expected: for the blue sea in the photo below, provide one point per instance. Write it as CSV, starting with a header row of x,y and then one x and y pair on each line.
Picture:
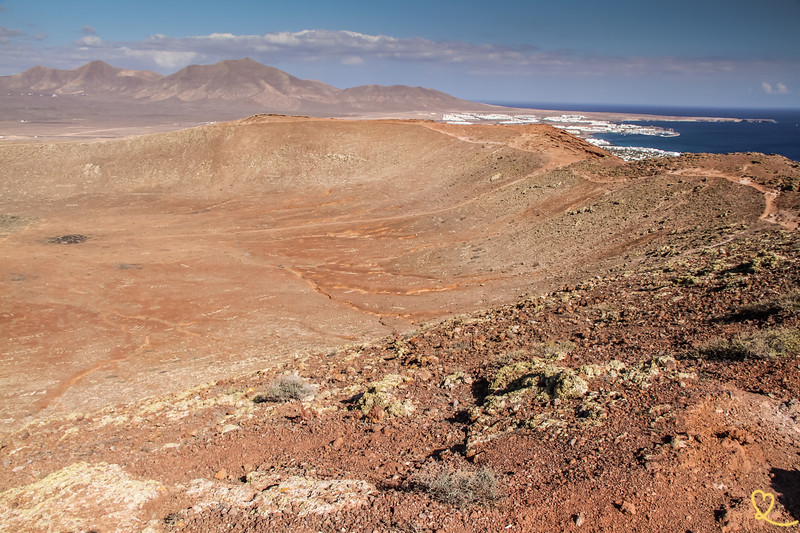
x,y
760,134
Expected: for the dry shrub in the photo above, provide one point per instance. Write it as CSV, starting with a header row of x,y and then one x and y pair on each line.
x,y
459,487
786,303
764,344
286,388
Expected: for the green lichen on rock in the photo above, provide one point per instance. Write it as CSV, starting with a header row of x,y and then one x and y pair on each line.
x,y
511,377
537,394
567,385
536,382
400,408
614,367
642,374
536,377
592,371
592,410
380,395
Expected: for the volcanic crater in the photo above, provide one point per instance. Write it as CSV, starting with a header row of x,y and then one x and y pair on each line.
x,y
275,243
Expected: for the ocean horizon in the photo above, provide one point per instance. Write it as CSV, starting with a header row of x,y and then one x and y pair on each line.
x,y
765,130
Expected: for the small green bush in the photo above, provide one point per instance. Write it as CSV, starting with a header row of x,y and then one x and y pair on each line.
x,y
286,388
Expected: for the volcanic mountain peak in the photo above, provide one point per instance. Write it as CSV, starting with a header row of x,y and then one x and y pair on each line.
x,y
97,77
240,79
230,70
97,68
398,96
102,71
236,87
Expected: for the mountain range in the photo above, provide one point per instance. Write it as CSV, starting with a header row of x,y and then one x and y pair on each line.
x,y
234,85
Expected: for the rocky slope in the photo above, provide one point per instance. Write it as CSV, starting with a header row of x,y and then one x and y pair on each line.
x,y
618,404
504,328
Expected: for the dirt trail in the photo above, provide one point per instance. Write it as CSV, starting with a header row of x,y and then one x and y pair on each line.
x,y
772,212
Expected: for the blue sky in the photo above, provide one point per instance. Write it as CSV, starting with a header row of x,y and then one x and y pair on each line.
x,y
733,53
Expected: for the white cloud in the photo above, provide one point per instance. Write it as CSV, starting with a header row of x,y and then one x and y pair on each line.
x,y
7,33
164,59
222,36
354,48
90,40
779,88
344,46
283,38
352,60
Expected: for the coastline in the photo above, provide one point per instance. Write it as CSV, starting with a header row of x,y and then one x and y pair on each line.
x,y
621,112
581,125
103,122
629,133
635,133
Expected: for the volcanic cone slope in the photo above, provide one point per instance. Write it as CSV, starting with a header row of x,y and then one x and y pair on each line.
x,y
148,264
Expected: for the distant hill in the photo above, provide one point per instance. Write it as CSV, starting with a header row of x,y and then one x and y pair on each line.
x,y
96,77
235,85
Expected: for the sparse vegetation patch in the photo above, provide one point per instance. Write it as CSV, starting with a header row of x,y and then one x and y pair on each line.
x,y
788,302
286,388
764,344
460,487
12,223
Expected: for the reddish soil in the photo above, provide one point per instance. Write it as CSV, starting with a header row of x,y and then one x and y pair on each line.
x,y
448,257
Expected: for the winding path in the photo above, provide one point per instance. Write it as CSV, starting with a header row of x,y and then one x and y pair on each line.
x,y
772,212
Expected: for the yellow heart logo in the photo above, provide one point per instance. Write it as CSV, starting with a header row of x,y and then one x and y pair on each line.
x,y
765,497
759,499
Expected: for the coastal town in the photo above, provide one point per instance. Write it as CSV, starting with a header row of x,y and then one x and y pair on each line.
x,y
579,125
